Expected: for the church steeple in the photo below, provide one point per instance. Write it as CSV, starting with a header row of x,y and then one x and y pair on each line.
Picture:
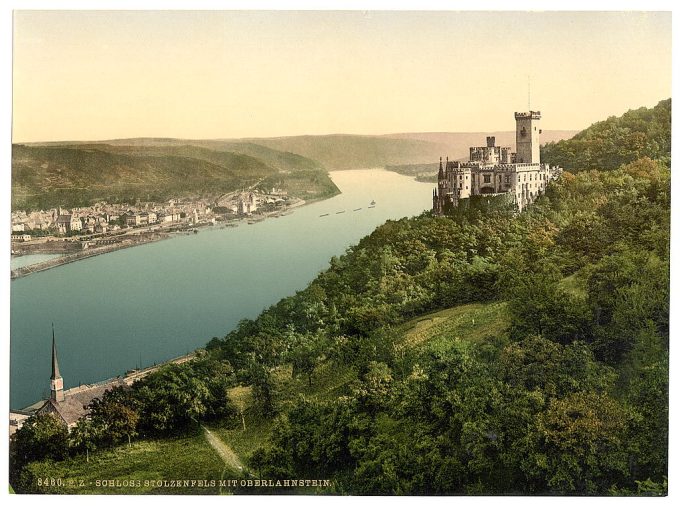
x,y
56,381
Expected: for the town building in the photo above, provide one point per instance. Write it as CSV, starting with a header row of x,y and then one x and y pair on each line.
x,y
246,204
68,222
494,170
133,219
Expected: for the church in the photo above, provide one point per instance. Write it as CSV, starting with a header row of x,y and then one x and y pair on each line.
x,y
68,406
495,170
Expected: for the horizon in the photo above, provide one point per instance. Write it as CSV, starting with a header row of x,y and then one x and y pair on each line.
x,y
245,139
272,74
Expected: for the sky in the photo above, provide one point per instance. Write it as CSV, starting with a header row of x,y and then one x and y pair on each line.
x,y
94,75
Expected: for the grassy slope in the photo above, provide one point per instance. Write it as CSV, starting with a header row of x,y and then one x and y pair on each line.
x,y
473,323
178,458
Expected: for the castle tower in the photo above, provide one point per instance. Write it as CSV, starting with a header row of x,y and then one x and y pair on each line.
x,y
56,381
527,136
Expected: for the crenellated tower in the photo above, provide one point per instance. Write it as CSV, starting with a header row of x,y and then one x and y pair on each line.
x,y
527,137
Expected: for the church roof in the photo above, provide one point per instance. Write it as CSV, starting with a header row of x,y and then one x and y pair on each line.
x,y
72,408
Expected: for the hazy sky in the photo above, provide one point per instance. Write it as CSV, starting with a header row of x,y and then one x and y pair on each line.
x,y
97,75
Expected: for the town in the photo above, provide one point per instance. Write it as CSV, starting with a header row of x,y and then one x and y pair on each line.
x,y
86,231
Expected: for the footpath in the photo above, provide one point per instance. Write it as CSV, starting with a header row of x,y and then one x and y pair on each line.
x,y
223,450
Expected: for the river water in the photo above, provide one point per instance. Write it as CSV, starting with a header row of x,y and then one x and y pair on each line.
x,y
30,259
147,304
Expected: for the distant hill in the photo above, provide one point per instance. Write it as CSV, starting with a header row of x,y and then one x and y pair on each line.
x,y
615,141
458,143
340,151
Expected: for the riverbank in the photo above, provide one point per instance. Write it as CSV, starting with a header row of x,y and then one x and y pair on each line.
x,y
134,238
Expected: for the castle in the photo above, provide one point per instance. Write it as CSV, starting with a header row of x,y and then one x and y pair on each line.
x,y
494,170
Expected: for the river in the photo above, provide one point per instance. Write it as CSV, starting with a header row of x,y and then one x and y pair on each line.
x,y
147,304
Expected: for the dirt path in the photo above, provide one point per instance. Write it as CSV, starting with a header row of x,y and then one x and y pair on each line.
x,y
223,450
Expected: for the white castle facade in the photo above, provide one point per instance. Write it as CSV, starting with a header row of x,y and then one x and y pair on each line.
x,y
494,170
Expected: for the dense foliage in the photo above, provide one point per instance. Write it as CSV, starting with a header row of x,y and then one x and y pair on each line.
x,y
572,399
620,140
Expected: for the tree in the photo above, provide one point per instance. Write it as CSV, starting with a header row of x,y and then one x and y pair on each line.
x,y
42,436
85,436
304,354
115,413
581,444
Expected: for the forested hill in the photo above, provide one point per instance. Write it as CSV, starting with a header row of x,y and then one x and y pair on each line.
x,y
606,145
484,353
123,171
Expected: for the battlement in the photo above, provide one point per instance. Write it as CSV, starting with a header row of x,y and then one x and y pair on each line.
x,y
534,115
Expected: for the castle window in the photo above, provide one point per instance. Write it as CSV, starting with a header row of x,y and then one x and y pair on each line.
x,y
487,178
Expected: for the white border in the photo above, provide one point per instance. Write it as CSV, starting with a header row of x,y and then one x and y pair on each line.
x,y
5,158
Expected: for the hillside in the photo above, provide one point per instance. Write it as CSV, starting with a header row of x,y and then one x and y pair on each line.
x,y
607,144
482,353
78,174
281,160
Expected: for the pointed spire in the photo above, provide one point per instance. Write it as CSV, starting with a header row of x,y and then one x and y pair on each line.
x,y
55,362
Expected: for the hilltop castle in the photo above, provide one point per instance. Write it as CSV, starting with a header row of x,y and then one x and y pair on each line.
x,y
493,170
